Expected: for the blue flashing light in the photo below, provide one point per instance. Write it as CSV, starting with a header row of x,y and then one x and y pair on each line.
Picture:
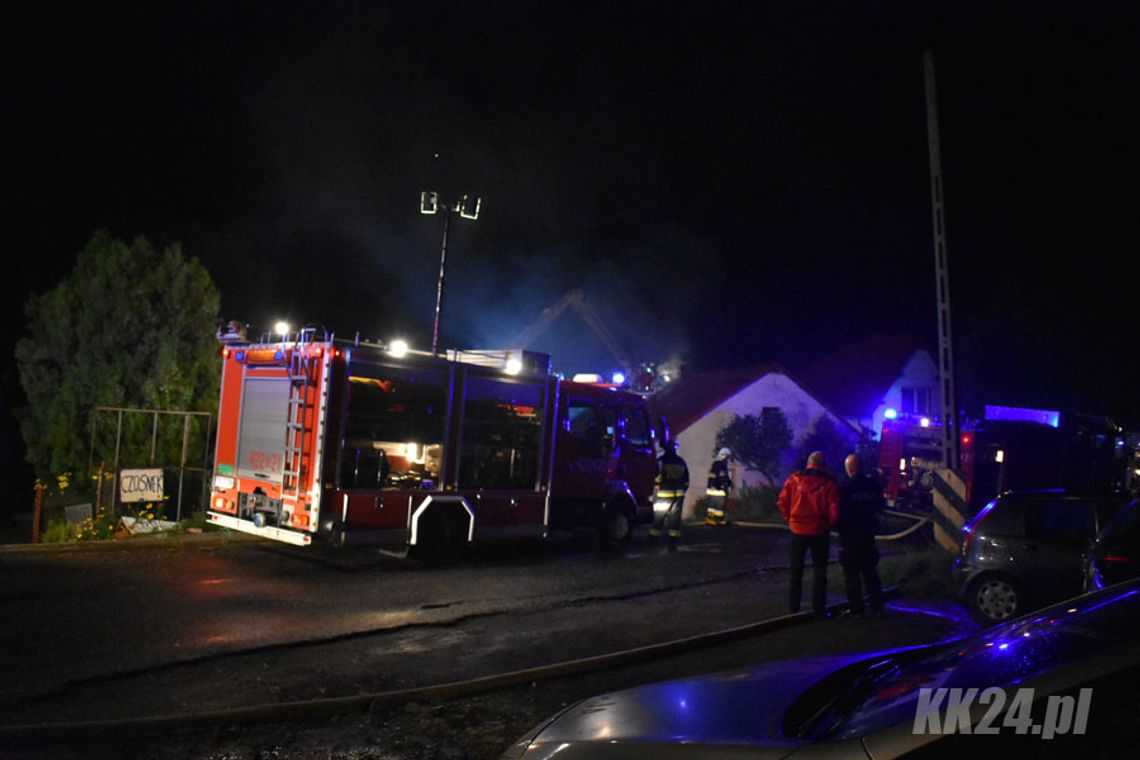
x,y
279,354
891,413
239,356
1023,414
619,378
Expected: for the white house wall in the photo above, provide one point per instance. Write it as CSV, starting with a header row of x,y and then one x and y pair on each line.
x,y
920,371
697,443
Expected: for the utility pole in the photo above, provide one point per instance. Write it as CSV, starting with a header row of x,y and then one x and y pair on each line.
x,y
468,208
950,449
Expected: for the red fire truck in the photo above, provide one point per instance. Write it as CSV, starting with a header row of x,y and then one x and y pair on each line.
x,y
1012,448
909,451
362,443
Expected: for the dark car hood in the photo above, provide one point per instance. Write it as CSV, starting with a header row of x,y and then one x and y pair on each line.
x,y
740,708
738,714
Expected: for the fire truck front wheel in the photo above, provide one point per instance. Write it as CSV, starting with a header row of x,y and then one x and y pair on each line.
x,y
616,527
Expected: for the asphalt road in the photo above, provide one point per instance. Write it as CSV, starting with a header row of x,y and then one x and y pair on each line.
x,y
143,629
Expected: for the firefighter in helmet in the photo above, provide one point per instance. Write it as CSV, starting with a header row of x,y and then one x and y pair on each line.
x,y
720,483
672,482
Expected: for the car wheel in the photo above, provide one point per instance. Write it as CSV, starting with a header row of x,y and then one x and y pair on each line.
x,y
995,598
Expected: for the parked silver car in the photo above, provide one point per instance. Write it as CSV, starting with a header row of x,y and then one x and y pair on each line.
x,y
1025,549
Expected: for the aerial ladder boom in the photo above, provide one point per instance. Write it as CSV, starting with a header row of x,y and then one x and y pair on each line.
x,y
577,301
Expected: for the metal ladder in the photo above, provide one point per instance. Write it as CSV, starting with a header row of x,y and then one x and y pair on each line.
x,y
301,380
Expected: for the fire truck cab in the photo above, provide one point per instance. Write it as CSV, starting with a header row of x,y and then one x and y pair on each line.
x,y
358,443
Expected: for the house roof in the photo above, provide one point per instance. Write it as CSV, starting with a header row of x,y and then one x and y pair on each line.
x,y
695,394
854,379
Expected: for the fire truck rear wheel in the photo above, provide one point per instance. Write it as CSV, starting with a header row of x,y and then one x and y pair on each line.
x,y
438,538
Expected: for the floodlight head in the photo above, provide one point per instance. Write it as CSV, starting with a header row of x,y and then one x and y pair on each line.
x,y
281,328
398,348
469,208
429,202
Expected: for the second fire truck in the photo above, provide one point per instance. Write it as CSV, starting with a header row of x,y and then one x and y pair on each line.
x,y
1013,448
361,443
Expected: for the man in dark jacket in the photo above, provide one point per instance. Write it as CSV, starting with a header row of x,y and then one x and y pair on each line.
x,y
672,482
809,504
860,501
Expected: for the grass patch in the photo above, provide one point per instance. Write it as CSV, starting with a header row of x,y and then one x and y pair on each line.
x,y
928,573
923,574
103,527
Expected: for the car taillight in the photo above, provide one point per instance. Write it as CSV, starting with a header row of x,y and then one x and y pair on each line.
x,y
1121,559
967,537
971,528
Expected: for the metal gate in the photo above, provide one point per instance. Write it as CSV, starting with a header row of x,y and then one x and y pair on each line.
x,y
124,438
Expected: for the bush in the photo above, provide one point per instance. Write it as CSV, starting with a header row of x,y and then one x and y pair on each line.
x,y
701,508
755,504
752,504
97,528
58,532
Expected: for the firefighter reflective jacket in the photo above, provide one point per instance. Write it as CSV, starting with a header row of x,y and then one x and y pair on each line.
x,y
809,502
719,482
672,476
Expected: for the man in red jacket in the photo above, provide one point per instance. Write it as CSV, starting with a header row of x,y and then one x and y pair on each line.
x,y
809,504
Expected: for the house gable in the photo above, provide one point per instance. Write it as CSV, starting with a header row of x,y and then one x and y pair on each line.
x,y
772,387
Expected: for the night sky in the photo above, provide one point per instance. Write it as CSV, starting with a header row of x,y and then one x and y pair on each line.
x,y
729,183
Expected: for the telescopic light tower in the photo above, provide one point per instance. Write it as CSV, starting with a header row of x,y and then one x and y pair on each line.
x,y
950,452
468,208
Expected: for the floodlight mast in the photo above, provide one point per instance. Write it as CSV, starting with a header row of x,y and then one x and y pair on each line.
x,y
951,456
468,208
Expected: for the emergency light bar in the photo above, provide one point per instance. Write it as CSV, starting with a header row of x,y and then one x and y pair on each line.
x,y
512,362
261,356
1022,414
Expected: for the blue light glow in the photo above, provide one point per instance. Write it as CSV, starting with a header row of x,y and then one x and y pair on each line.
x,y
619,378
1113,600
891,413
1022,414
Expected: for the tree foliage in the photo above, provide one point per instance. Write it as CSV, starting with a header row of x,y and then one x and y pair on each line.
x,y
834,441
758,441
129,327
